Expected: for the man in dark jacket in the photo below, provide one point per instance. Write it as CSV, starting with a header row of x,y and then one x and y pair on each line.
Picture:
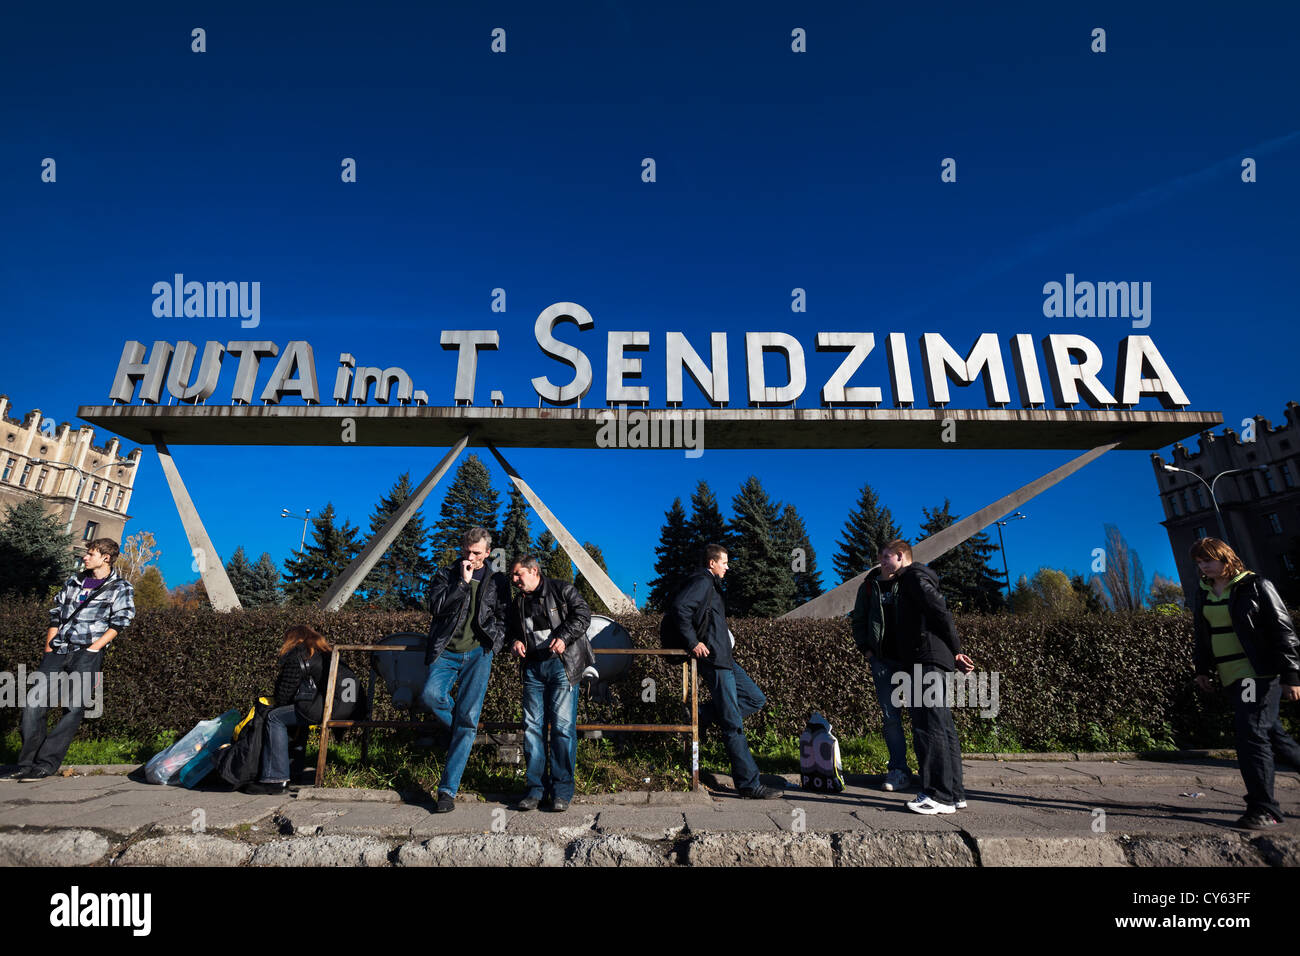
x,y
868,621
919,633
547,627
696,620
468,601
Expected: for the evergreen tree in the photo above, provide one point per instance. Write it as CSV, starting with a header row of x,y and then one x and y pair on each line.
x,y
308,575
400,578
584,586
800,556
516,534
265,590
675,560
966,578
868,529
545,545
470,502
1089,598
240,573
759,580
707,526
35,554
151,589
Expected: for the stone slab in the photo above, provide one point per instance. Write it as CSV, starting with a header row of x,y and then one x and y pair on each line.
x,y
647,823
64,848
197,849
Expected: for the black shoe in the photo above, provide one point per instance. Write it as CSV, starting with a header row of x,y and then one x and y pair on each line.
x,y
261,788
446,802
558,806
1257,820
527,803
15,773
761,793
33,774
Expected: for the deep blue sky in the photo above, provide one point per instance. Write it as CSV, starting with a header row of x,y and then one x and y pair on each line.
x,y
775,170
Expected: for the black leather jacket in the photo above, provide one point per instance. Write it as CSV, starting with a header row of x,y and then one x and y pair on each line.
x,y
925,634
1263,626
449,604
569,615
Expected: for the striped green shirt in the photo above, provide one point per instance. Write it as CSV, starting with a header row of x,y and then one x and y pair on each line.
x,y
1229,655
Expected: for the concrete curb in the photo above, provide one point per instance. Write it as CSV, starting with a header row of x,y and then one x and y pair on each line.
x,y
742,848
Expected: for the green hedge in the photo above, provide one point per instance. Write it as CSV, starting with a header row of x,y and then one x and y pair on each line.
x,y
1092,682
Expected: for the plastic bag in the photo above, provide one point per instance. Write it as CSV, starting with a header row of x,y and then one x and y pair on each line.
x,y
191,758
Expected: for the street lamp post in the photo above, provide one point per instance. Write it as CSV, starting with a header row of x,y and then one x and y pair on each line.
x,y
286,514
1006,572
1223,529
76,498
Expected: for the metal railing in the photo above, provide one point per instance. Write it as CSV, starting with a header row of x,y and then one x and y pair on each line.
x,y
690,693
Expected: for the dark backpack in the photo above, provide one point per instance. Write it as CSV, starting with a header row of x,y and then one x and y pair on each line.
x,y
240,762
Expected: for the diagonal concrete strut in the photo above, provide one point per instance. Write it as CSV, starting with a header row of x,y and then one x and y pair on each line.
x,y
221,593
839,601
356,572
615,600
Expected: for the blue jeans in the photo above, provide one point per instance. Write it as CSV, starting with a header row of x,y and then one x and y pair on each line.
x,y
895,739
733,698
549,699
275,743
469,672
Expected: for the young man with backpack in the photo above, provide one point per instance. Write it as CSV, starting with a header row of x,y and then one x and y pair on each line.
x,y
94,606
696,621
547,630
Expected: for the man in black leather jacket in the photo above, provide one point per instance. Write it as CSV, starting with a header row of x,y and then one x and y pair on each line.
x,y
1244,638
468,601
547,629
696,620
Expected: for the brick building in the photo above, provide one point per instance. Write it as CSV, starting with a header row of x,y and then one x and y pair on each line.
x,y
1260,507
40,464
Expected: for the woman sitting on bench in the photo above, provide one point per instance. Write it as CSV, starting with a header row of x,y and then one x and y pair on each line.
x,y
304,663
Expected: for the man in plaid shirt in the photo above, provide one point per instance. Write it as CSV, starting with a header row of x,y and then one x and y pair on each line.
x,y
92,608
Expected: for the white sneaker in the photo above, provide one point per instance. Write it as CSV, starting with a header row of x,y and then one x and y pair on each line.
x,y
924,804
960,804
896,780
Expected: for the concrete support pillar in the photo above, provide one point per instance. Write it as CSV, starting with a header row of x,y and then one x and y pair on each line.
x,y
347,582
615,600
839,601
220,591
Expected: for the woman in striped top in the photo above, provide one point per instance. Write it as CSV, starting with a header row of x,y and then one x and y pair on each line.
x,y
1246,642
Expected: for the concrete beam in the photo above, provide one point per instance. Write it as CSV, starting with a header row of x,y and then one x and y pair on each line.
x,y
221,593
356,572
839,601
748,428
615,600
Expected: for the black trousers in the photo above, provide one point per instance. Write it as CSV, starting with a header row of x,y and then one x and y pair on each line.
x,y
1261,741
938,751
42,748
